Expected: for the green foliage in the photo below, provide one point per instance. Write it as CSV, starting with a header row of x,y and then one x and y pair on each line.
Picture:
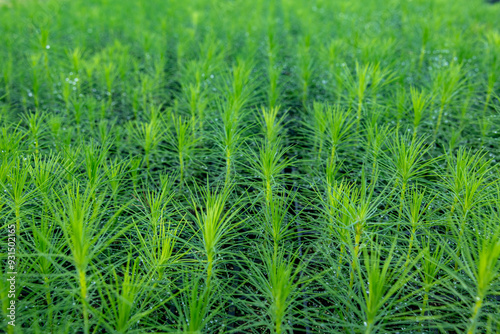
x,y
260,166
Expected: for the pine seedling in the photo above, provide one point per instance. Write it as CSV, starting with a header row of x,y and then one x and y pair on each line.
x,y
196,305
116,171
76,232
338,129
4,115
197,101
276,221
490,84
155,203
95,160
43,41
333,54
66,91
230,137
35,127
146,90
214,222
268,163
279,281
368,76
331,128
239,92
469,184
357,205
385,276
467,181
447,83
75,57
401,100
492,47
420,101
90,65
5,167
240,89
78,104
432,261
71,157
183,142
148,136
91,105
124,301
405,160
425,41
19,192
357,87
81,216
44,172
106,131
54,123
305,67
47,242
11,139
158,246
415,211
375,139
478,264
271,124
195,77
337,217
135,164
134,93
379,78
158,72
109,79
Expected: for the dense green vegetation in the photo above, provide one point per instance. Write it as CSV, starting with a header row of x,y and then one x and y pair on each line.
x,y
207,166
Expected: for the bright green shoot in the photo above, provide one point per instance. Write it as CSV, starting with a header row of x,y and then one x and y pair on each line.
x,y
447,83
276,222
269,163
36,127
18,194
376,137
271,124
432,260
196,305
415,210
80,215
420,102
148,136
385,276
230,136
279,281
158,246
478,264
369,76
405,160
116,171
214,222
332,128
155,203
120,299
467,181
183,141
